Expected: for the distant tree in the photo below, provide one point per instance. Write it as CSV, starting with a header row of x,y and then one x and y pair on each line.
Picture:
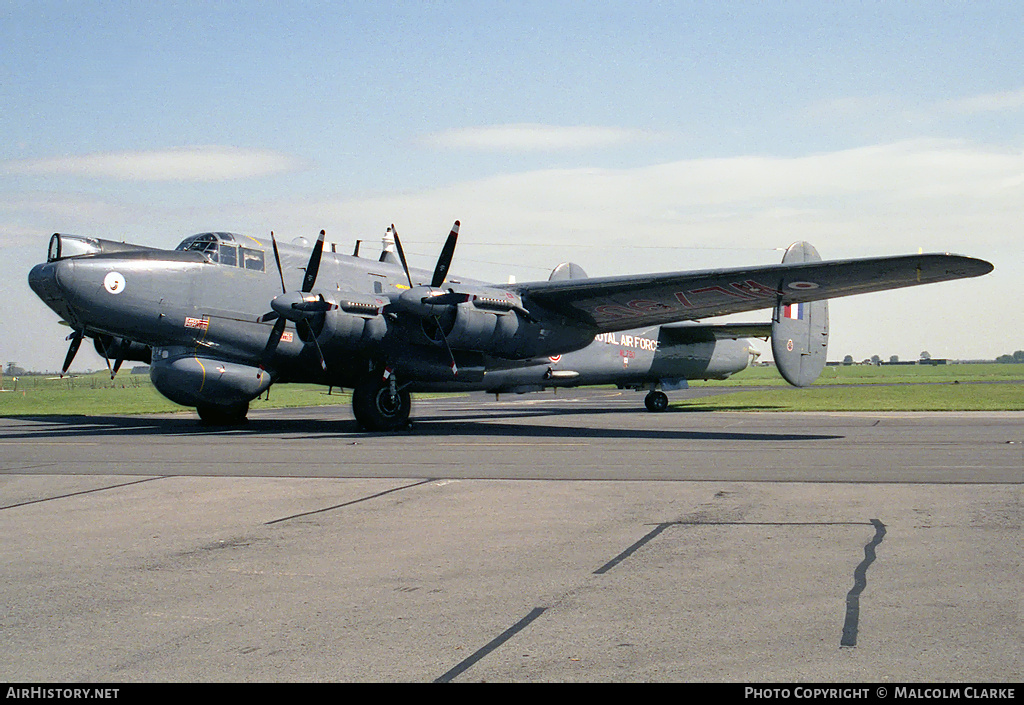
x,y
925,355
13,370
893,359
848,360
1017,356
876,360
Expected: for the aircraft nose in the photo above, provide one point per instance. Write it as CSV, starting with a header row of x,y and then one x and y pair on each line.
x,y
43,280
48,280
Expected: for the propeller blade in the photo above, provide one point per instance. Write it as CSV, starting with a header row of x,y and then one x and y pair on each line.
x,y
314,264
76,341
272,342
277,258
451,355
401,255
312,336
117,366
445,260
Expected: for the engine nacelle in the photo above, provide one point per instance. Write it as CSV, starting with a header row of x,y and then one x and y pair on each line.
x,y
190,380
121,349
485,331
481,326
355,324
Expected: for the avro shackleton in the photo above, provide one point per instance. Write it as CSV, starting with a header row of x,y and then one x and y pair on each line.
x,y
223,316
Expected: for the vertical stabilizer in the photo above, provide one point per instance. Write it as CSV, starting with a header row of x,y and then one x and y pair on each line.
x,y
800,330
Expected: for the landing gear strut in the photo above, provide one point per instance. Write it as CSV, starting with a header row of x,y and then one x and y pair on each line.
x,y
377,406
656,401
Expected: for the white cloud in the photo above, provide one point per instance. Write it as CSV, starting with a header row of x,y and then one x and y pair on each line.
x,y
905,194
533,137
197,164
988,102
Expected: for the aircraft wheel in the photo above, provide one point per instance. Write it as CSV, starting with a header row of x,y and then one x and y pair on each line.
x,y
215,415
656,401
376,410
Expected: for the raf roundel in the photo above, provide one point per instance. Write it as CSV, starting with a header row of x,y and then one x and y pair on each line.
x,y
114,282
802,286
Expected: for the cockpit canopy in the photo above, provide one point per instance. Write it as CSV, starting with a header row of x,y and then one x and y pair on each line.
x,y
223,248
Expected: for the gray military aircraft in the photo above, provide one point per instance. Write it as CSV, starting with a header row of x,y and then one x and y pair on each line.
x,y
223,316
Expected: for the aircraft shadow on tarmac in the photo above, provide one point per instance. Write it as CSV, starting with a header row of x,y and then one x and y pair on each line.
x,y
473,423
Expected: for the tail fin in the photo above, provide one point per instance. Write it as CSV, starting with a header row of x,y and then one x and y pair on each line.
x,y
567,270
800,330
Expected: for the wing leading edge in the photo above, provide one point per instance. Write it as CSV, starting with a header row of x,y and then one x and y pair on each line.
x,y
618,303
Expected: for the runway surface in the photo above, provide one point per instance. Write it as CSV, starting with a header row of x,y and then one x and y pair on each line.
x,y
546,538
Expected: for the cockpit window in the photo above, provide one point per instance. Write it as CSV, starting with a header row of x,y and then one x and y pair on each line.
x,y
205,243
220,247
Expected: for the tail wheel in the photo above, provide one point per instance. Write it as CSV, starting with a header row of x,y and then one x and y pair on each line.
x,y
216,415
376,409
656,401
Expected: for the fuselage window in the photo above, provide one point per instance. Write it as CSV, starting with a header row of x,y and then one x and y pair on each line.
x,y
252,259
229,255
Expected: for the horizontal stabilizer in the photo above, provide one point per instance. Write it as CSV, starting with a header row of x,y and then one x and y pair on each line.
x,y
686,333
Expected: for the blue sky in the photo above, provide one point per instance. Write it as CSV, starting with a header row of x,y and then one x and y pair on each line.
x,y
627,137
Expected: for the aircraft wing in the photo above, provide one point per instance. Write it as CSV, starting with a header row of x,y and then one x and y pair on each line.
x,y
618,303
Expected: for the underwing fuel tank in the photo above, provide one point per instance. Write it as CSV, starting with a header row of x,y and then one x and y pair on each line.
x,y
800,330
189,380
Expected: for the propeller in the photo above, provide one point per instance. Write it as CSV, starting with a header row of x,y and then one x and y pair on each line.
x,y
440,272
284,305
76,342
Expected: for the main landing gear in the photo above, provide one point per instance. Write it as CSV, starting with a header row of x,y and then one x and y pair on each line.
x,y
379,406
656,401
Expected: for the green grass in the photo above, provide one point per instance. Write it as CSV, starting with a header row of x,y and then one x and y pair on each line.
x,y
883,374
926,397
921,388
96,395
959,387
